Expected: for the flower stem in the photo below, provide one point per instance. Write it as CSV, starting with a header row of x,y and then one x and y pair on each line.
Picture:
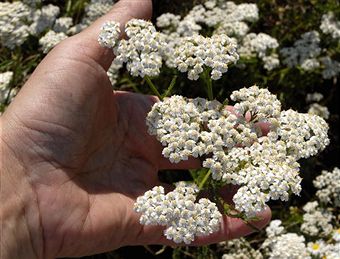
x,y
204,179
209,89
153,87
171,86
208,83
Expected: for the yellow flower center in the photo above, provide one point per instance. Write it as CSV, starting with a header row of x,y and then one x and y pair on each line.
x,y
315,246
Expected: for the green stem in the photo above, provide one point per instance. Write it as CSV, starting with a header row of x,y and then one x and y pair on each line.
x,y
172,84
204,179
153,87
68,6
208,83
249,224
209,89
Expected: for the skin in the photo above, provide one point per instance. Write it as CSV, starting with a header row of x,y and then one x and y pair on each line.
x,y
75,156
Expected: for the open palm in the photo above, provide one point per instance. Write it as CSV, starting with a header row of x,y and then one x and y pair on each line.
x,y
86,150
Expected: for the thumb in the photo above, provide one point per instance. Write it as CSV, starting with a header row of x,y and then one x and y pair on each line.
x,y
121,12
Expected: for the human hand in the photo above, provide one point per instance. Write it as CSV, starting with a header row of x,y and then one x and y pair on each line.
x,y
76,155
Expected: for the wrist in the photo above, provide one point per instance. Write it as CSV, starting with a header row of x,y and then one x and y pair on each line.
x,y
21,232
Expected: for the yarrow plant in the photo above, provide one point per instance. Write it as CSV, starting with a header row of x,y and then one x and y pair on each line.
x,y
230,143
233,148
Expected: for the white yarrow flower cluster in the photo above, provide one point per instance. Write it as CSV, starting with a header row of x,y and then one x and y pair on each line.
x,y
330,25
168,22
261,45
282,245
314,97
319,110
51,39
13,28
271,62
257,44
213,14
177,124
96,9
330,67
44,18
109,34
178,210
63,24
239,249
310,64
197,53
304,49
305,53
226,18
265,167
113,73
328,185
267,173
237,29
316,221
259,102
275,228
289,245
142,51
304,134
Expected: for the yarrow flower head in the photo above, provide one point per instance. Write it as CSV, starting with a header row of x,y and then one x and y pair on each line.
x,y
330,25
304,134
142,51
316,220
328,185
262,46
96,9
257,44
289,245
281,245
51,39
63,24
109,34
275,228
13,28
168,22
319,110
307,47
176,122
259,102
239,248
178,210
196,53
330,67
44,18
